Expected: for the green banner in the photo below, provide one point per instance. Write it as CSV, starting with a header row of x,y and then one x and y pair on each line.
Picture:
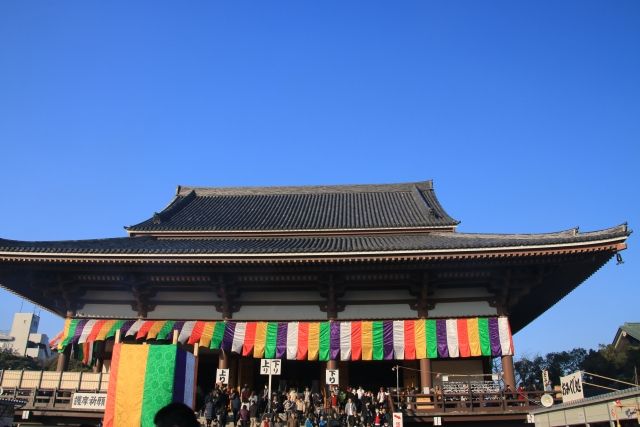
x,y
483,332
72,331
432,339
164,331
218,334
112,332
324,341
377,330
158,381
272,340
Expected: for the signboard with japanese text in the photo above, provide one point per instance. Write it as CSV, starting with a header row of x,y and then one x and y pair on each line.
x,y
222,376
332,377
270,366
89,401
397,419
571,386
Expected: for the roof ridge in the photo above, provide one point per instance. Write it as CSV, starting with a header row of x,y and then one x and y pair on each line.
x,y
305,189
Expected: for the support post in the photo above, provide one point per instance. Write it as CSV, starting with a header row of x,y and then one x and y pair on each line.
x,y
508,375
196,350
425,375
99,350
223,360
63,359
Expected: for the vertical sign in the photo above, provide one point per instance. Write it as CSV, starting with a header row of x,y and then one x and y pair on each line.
x,y
270,367
437,421
332,377
222,376
571,387
397,419
546,383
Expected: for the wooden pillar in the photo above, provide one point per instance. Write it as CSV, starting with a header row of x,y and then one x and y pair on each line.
x,y
425,375
508,375
223,360
99,350
63,357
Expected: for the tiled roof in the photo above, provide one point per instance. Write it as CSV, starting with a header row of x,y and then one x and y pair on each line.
x,y
311,208
239,246
632,329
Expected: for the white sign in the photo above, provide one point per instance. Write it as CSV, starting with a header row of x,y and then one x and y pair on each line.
x,y
546,382
270,366
88,401
531,419
437,421
571,387
222,376
397,419
25,415
333,377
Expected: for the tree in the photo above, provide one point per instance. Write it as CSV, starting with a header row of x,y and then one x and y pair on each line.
x,y
620,364
9,359
529,371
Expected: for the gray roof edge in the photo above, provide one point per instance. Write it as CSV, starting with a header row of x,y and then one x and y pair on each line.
x,y
614,395
305,189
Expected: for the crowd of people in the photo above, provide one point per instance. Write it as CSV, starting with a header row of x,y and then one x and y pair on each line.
x,y
341,407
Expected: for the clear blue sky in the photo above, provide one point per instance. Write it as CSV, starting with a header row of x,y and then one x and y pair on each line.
x,y
525,114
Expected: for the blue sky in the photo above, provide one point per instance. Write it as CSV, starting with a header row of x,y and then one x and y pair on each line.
x,y
525,114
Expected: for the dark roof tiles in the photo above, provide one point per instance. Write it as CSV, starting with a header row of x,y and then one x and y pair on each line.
x,y
312,208
239,246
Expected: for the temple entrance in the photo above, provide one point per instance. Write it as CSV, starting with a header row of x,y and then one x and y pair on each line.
x,y
372,375
296,374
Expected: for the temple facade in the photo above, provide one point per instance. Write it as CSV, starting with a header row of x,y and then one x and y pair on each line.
x,y
359,278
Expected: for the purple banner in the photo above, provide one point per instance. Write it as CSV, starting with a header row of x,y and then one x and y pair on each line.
x,y
281,340
335,341
176,327
125,327
441,333
79,327
227,338
387,339
494,336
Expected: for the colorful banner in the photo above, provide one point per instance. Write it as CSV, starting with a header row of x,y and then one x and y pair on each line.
x,y
152,377
331,340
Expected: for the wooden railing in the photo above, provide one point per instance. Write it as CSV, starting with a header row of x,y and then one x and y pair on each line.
x,y
47,380
488,402
45,390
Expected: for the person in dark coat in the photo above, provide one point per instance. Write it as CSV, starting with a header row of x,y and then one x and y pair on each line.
x,y
209,411
235,405
222,407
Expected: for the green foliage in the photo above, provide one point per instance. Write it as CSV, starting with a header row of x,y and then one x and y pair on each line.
x,y
74,365
606,361
13,361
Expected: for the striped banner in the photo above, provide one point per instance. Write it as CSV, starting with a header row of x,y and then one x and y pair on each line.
x,y
329,340
152,377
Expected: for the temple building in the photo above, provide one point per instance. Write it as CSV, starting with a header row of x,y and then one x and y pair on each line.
x,y
355,277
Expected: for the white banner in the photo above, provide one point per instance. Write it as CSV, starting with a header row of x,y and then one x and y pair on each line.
x,y
89,401
571,387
